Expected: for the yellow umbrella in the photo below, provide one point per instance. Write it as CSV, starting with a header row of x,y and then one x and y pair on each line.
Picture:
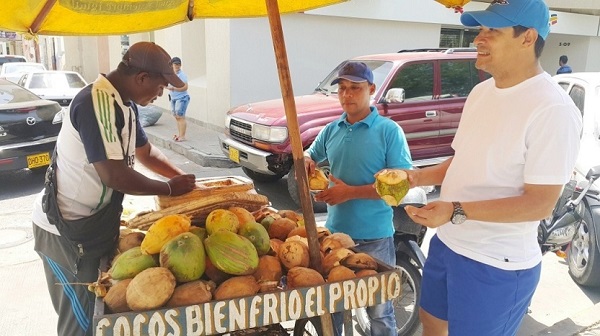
x,y
118,17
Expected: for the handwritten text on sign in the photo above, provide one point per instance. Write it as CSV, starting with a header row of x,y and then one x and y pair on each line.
x,y
253,311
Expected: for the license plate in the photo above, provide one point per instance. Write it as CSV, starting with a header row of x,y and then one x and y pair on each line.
x,y
234,154
38,160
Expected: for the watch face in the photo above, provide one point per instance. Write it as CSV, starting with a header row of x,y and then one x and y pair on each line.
x,y
458,219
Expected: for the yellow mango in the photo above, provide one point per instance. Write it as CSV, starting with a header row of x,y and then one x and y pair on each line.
x,y
164,230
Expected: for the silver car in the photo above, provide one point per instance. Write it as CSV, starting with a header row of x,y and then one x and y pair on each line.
x,y
58,86
12,71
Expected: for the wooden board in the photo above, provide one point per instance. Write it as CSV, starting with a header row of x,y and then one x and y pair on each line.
x,y
207,186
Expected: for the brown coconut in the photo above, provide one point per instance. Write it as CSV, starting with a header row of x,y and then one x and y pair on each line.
x,y
336,240
334,258
194,292
115,298
303,277
130,240
293,215
239,286
214,274
360,261
150,289
294,253
365,272
269,269
281,227
340,273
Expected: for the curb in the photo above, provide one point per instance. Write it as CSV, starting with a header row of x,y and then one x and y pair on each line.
x,y
575,324
193,154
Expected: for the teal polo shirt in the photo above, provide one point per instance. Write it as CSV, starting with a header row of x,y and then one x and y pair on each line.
x,y
355,153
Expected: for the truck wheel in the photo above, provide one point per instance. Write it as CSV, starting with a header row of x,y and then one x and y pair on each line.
x,y
295,194
583,255
260,177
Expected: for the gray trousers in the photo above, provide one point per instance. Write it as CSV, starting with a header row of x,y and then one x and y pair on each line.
x,y
73,302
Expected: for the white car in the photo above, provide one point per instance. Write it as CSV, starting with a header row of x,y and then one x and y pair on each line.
x,y
583,255
12,71
59,86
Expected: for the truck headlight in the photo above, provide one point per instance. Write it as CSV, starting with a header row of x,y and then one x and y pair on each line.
x,y
269,134
227,121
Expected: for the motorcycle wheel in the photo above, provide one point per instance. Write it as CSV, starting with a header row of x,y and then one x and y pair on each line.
x,y
405,306
308,327
583,256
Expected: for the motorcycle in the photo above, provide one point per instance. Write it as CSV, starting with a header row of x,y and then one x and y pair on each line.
x,y
408,238
583,253
572,227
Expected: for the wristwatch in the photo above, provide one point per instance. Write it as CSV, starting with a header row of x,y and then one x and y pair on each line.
x,y
458,215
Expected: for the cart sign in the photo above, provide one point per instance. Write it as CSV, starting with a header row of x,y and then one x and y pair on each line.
x,y
217,317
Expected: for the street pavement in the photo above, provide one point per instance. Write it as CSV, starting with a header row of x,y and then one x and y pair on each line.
x,y
559,307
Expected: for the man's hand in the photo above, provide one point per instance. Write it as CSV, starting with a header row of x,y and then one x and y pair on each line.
x,y
432,215
338,193
182,184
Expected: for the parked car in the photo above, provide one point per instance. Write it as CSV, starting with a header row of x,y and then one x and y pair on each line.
x,y
11,58
29,127
14,70
423,91
583,254
59,86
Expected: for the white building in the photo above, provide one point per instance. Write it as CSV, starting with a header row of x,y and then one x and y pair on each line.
x,y
231,62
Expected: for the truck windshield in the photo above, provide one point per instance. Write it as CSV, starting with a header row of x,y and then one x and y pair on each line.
x,y
380,69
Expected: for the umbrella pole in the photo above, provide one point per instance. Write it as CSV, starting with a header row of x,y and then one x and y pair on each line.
x,y
297,151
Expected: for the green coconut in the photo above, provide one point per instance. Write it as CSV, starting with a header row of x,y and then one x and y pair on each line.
x,y
184,256
392,185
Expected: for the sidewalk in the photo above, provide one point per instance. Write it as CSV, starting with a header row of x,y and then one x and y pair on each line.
x,y
201,145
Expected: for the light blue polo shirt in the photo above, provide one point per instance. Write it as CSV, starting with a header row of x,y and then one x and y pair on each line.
x,y
179,94
355,153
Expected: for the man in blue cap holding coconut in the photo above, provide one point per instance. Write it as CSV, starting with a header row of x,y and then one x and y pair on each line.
x,y
515,148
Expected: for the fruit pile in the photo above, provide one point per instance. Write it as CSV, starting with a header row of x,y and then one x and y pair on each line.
x,y
236,254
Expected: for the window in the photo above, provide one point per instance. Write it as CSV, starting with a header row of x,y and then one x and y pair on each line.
x,y
416,80
457,38
578,95
458,78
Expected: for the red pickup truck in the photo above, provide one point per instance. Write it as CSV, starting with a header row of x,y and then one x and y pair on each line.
x,y
423,91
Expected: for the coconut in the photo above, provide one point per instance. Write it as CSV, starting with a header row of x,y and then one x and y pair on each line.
x,y
334,258
275,244
115,298
244,216
340,273
221,219
239,286
360,261
281,227
392,185
269,269
318,180
294,253
150,289
365,272
303,277
195,292
130,240
291,215
336,240
214,274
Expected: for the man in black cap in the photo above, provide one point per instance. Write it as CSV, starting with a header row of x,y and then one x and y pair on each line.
x,y
77,216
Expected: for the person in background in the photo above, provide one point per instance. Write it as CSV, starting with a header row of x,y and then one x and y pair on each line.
x,y
180,100
358,145
564,68
513,154
97,146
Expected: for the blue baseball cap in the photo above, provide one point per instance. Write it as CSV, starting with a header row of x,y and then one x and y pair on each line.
x,y
356,72
510,13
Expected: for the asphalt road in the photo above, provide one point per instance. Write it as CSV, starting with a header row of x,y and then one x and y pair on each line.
x,y
26,308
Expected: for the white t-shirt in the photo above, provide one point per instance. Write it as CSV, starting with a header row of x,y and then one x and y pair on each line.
x,y
528,133
99,127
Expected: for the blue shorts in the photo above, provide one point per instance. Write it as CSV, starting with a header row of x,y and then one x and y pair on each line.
x,y
476,299
179,106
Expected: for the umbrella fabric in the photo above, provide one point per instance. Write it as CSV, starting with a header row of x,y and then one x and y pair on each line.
x,y
117,17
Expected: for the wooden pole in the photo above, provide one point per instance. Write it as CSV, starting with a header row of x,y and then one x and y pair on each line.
x,y
289,104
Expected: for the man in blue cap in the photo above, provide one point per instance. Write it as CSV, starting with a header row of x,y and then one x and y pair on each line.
x,y
515,148
357,145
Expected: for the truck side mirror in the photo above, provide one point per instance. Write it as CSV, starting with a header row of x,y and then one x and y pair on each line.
x,y
394,96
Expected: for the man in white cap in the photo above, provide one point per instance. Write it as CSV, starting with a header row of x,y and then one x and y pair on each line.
x,y
76,218
515,148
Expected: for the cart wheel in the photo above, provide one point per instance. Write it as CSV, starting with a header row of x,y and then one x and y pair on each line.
x,y
308,327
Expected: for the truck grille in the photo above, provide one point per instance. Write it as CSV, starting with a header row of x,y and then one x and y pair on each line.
x,y
241,131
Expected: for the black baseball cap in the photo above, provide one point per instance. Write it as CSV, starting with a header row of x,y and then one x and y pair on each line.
x,y
150,57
